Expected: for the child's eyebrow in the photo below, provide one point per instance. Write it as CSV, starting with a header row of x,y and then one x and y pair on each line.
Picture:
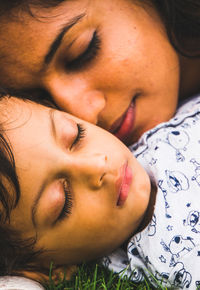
x,y
35,204
57,41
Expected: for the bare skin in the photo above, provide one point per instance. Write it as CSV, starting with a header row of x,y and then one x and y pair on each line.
x,y
128,81
82,197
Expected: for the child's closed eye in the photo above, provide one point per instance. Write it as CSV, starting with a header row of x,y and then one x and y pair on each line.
x,y
68,201
80,135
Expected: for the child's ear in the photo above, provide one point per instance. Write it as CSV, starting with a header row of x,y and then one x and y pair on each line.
x,y
58,273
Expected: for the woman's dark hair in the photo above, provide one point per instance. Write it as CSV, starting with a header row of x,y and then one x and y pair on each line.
x,y
182,21
181,18
10,5
15,254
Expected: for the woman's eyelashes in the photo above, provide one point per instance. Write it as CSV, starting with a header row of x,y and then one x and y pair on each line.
x,y
67,207
87,56
80,135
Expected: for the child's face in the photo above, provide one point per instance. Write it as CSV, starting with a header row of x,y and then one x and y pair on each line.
x,y
114,67
103,187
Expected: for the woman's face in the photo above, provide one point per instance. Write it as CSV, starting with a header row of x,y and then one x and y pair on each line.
x,y
108,62
82,191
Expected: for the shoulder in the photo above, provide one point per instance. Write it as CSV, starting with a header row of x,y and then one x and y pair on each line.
x,y
189,105
185,122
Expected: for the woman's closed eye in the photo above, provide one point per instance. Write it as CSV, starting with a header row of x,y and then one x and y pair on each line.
x,y
87,56
79,137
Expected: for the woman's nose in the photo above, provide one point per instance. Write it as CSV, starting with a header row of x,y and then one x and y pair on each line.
x,y
92,168
76,97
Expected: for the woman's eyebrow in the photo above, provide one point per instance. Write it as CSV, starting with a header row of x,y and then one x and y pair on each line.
x,y
57,42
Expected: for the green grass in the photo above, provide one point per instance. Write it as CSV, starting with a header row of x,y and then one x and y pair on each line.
x,y
95,276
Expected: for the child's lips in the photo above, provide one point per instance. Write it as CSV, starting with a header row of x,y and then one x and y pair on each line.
x,y
122,127
123,184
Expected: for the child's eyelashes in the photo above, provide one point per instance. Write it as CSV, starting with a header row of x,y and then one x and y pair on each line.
x,y
67,207
87,56
80,135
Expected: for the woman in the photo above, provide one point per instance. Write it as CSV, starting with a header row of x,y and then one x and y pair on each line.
x,y
109,62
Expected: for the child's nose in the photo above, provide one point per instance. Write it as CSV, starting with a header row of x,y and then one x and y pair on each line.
x,y
94,168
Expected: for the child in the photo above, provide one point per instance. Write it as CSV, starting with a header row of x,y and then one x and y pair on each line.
x,y
69,200
83,193
109,62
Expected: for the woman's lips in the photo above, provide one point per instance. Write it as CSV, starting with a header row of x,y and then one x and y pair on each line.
x,y
123,184
122,128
